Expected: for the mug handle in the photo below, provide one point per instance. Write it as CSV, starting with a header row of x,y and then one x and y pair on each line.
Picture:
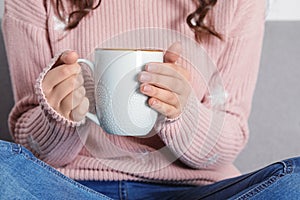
x,y
91,65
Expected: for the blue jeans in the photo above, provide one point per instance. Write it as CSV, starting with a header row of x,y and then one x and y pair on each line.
x,y
22,176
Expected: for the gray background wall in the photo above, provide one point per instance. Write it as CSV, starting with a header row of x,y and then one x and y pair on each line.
x,y
1,7
275,118
5,87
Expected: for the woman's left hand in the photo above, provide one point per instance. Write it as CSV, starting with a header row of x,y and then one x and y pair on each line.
x,y
166,84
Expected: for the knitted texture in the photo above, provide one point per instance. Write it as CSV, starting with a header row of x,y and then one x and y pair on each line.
x,y
199,147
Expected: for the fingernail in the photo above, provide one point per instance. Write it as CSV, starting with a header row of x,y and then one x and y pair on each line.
x,y
147,88
151,67
145,77
69,51
154,103
66,53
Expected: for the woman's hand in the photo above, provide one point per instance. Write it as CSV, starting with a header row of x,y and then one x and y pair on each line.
x,y
166,84
63,87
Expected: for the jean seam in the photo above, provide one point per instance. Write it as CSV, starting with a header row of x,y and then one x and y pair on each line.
x,y
16,148
288,169
120,190
289,166
44,165
260,187
123,190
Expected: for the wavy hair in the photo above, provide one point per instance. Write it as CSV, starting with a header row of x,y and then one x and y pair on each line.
x,y
81,8
195,20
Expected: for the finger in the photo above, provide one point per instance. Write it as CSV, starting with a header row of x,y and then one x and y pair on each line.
x,y
79,113
63,89
173,53
67,57
167,69
166,82
163,95
58,75
72,100
163,108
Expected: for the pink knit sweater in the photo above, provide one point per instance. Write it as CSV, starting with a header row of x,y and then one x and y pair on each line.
x,y
197,148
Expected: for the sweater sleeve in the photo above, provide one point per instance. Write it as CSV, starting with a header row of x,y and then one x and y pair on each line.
x,y
32,122
211,132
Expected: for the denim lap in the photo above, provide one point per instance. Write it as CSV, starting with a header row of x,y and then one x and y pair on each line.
x,y
285,185
258,184
243,187
25,177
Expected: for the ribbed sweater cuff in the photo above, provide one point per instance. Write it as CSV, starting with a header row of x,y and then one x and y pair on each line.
x,y
190,135
189,115
49,111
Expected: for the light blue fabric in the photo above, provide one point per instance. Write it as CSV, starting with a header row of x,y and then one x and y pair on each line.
x,y
22,176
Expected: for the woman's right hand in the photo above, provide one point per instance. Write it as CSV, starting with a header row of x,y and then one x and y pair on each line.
x,y
63,87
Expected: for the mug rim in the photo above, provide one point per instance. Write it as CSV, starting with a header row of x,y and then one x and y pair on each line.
x,y
128,49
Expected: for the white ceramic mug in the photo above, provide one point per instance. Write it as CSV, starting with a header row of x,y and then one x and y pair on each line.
x,y
120,107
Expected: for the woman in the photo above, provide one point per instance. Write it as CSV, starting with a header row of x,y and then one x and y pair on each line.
x,y
51,103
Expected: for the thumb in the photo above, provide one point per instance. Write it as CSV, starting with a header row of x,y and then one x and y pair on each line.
x,y
67,57
173,53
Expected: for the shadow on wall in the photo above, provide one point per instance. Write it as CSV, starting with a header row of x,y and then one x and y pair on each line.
x,y
6,101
